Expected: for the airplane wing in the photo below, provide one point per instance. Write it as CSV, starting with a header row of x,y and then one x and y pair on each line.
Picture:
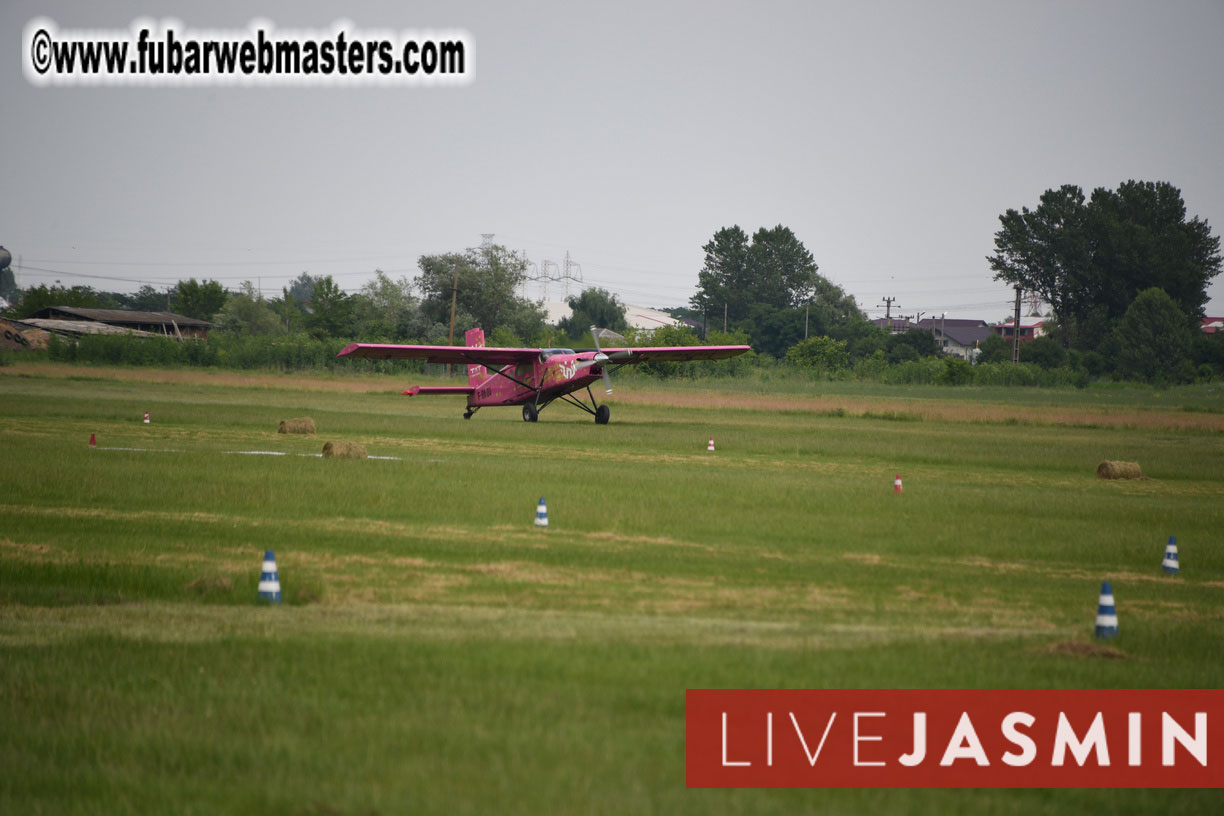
x,y
629,356
463,355
451,355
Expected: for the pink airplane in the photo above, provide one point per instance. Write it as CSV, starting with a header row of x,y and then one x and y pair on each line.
x,y
532,378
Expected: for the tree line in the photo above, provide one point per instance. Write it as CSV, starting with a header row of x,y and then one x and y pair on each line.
x,y
1124,271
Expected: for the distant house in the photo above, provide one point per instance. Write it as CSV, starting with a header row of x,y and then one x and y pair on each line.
x,y
73,320
638,317
1030,328
1211,325
895,325
957,336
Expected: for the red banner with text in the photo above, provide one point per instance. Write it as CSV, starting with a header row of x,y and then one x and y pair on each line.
x,y
955,738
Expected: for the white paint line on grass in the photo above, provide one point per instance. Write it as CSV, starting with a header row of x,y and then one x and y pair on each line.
x,y
248,453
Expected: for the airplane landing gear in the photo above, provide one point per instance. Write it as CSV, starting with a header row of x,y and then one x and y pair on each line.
x,y
530,414
602,414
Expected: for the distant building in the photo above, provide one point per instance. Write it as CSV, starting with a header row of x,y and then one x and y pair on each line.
x,y
73,320
1030,328
957,336
895,325
638,317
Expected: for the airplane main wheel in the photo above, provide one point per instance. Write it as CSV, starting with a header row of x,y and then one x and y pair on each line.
x,y
530,414
602,414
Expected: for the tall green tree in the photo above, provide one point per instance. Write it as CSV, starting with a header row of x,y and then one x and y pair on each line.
x,y
594,307
385,308
40,297
1153,339
486,292
246,313
146,299
331,310
769,287
774,269
301,289
8,285
1089,260
199,299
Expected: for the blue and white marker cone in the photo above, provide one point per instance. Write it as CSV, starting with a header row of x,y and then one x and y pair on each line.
x,y
1169,564
542,514
269,584
1107,615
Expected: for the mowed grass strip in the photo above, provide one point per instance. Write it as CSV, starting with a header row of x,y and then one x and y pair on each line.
x,y
436,652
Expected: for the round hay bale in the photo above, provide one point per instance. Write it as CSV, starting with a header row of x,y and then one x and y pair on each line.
x,y
301,425
1119,470
344,450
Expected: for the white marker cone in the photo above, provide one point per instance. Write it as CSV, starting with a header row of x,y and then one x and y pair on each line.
x,y
710,447
541,514
1107,615
269,583
897,484
1169,564
146,421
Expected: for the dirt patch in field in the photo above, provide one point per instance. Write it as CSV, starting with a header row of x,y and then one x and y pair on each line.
x,y
1075,648
871,559
211,585
228,379
979,562
40,549
529,573
950,411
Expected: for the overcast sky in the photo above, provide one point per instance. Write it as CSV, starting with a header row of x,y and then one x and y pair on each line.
x,y
888,136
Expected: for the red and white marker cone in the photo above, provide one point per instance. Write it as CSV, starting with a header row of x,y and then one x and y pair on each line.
x,y
897,484
93,441
710,447
146,418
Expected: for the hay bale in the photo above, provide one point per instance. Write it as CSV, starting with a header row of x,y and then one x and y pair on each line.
x,y
301,425
1119,470
344,450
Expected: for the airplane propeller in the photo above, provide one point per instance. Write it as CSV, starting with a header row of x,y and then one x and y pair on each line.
x,y
602,359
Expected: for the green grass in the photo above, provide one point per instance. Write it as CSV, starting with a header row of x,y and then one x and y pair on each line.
x,y
437,653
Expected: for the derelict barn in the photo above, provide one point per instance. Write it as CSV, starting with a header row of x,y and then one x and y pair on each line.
x,y
73,320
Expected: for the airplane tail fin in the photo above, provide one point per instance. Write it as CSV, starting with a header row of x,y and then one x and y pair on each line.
x,y
476,373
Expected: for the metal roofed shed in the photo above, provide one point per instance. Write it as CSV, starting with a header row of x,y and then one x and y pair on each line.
x,y
73,320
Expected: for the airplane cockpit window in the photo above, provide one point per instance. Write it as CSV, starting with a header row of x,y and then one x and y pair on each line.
x,y
549,352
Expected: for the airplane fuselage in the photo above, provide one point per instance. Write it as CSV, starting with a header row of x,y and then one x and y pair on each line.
x,y
552,373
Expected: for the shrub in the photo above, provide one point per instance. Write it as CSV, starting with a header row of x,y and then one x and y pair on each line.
x,y
955,372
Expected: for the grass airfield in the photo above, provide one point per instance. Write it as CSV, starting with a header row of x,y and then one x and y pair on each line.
x,y
438,653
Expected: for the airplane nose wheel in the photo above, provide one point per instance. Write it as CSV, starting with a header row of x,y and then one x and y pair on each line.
x,y
530,414
602,414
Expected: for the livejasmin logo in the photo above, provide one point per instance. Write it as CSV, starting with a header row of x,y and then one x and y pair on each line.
x,y
954,738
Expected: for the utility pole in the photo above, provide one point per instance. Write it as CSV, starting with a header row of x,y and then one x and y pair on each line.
x,y
806,309
1016,331
724,318
888,302
943,336
454,298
